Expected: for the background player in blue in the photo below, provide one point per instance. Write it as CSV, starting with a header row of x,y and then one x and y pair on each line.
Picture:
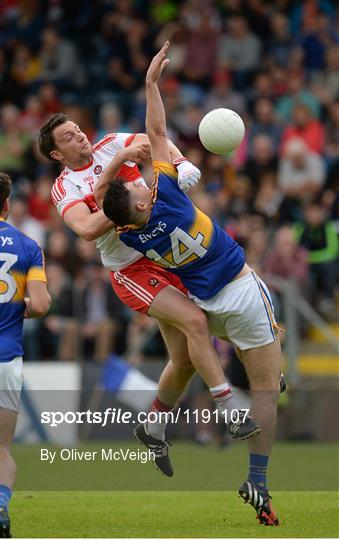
x,y
21,269
164,225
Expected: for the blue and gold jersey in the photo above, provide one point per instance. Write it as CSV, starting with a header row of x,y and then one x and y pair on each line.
x,y
21,260
181,238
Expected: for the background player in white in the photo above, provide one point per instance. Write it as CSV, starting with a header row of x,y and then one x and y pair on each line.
x,y
138,282
237,302
21,267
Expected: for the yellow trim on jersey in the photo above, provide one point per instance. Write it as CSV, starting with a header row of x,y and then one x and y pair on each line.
x,y
20,280
166,168
204,225
36,273
154,187
158,168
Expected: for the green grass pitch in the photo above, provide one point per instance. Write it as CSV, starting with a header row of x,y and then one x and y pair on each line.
x,y
199,501
168,514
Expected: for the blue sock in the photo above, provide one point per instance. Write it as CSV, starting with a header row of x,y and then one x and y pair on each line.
x,y
5,496
258,469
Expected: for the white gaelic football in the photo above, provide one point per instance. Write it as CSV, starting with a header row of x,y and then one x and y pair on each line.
x,y
221,131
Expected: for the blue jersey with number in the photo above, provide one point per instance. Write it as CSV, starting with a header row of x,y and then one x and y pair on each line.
x,y
21,260
184,240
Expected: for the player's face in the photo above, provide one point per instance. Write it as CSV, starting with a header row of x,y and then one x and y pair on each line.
x,y
141,195
72,145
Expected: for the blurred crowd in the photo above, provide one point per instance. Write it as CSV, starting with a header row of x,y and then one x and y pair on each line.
x,y
275,63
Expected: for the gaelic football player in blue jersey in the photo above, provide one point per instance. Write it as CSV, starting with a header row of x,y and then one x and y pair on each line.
x,y
164,225
21,269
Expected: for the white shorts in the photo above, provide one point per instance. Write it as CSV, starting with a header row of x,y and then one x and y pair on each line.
x,y
11,378
242,312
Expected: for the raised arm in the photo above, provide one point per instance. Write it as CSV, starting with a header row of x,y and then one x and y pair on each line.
x,y
155,112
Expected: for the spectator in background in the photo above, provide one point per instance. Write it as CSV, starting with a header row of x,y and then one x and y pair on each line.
x,y
268,198
60,62
49,99
187,124
332,133
98,328
20,217
256,249
110,121
201,50
58,331
85,253
26,67
222,94
241,199
14,143
32,116
219,175
317,35
301,175
139,38
26,22
325,84
262,160
175,32
262,87
302,14
59,251
305,127
41,206
279,78
318,235
280,43
288,261
9,89
266,124
239,51
296,93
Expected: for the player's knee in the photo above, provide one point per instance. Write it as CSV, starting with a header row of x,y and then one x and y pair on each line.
x,y
196,322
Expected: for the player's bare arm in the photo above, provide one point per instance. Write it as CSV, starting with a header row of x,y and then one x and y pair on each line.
x,y
155,111
136,152
175,153
38,302
86,225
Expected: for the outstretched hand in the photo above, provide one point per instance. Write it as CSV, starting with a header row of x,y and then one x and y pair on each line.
x,y
158,63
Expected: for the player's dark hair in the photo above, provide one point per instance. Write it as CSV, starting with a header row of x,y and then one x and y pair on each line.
x,y
46,138
5,188
117,204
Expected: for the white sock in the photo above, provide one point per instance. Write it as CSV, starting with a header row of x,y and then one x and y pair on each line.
x,y
222,395
157,429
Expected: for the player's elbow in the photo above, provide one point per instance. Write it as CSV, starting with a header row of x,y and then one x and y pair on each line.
x,y
88,235
40,305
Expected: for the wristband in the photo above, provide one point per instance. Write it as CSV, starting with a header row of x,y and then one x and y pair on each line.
x,y
179,160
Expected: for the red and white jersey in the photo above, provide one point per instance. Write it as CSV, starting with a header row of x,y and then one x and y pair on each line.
x,y
77,185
